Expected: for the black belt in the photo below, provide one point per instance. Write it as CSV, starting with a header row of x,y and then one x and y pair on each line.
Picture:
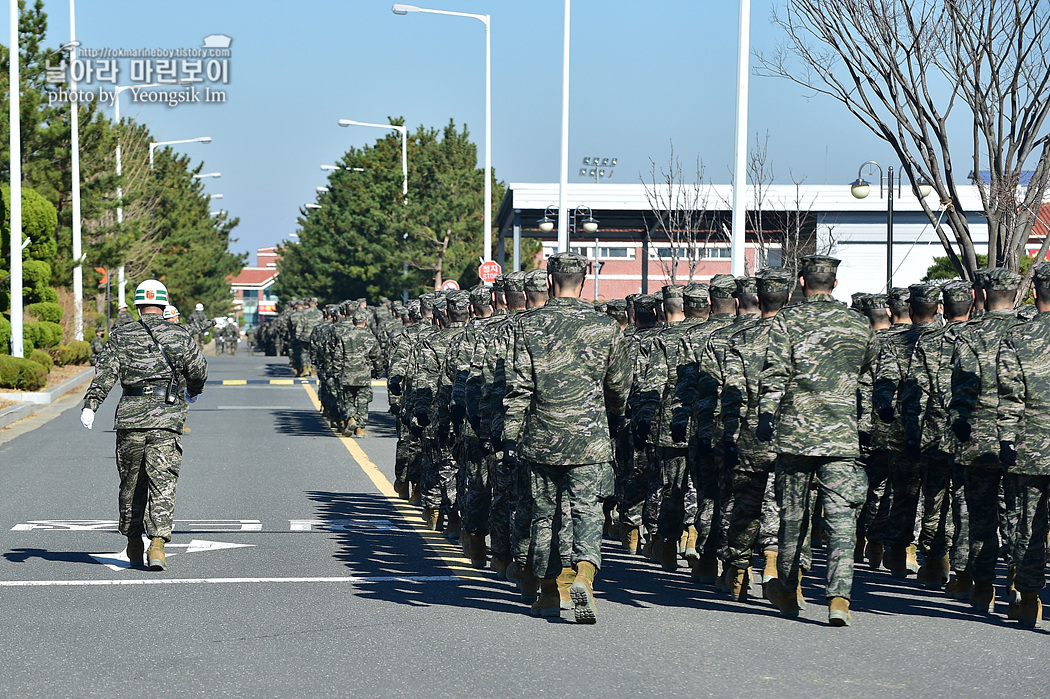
x,y
150,390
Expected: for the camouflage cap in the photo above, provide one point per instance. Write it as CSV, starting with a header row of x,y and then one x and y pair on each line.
x,y
772,280
645,302
536,280
458,301
673,291
481,296
413,310
818,263
723,286
426,301
899,297
746,285
440,303
980,276
1027,312
697,295
601,307
957,290
923,293
499,282
361,316
567,263
616,306
874,302
857,300
1002,279
1041,274
629,299
515,281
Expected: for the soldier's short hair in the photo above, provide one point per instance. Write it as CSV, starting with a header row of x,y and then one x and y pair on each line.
x,y
1002,279
1041,276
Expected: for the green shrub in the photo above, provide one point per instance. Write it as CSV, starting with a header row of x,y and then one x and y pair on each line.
x,y
43,334
42,358
76,352
51,312
21,374
5,335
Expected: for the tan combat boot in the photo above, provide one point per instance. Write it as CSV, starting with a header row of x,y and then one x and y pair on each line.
x,y
499,565
582,593
667,552
629,538
476,551
513,573
769,570
858,551
135,550
548,604
738,580
934,573
528,585
681,543
1030,612
800,600
911,562
896,561
691,554
873,552
155,555
705,572
360,432
417,495
454,526
838,612
433,518
783,597
565,581
401,488
959,587
982,597
1013,597
349,428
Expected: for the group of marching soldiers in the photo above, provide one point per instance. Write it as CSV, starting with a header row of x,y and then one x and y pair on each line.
x,y
928,467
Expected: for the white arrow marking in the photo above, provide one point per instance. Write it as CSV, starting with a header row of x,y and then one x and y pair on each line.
x,y
119,561
342,525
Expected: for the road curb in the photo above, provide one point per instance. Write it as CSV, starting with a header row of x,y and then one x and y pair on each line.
x,y
32,401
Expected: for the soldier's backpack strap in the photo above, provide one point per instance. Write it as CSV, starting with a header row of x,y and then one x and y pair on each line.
x,y
170,394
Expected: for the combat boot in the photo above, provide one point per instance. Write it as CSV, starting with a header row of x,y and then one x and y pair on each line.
x,y
1013,597
614,523
417,496
401,488
351,426
934,573
1030,612
769,570
565,581
858,551
838,612
454,526
691,554
582,593
513,572
705,572
476,551
360,432
433,518
896,561
959,587
873,552
155,555
681,543
629,539
499,565
982,597
911,562
528,585
136,548
783,597
548,604
667,551
738,580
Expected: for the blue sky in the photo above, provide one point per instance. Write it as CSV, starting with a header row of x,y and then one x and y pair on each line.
x,y
643,73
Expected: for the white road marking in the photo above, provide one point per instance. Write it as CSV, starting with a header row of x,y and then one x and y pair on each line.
x,y
258,407
119,561
110,525
226,581
342,525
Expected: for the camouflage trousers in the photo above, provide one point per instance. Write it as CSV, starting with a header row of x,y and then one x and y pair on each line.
x,y
632,484
705,472
299,354
581,487
438,478
936,526
353,403
871,524
475,492
905,472
983,484
521,541
407,456
960,550
501,482
1029,512
754,519
841,484
148,464
672,477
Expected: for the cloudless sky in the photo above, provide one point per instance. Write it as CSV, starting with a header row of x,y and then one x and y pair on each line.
x,y
644,73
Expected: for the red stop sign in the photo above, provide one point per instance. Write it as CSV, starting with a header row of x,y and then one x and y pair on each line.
x,y
488,271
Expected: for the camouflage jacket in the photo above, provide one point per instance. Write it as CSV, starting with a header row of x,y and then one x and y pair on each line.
x,y
487,383
1023,415
690,352
133,359
744,358
400,349
892,365
711,383
568,371
198,322
471,343
975,389
927,391
355,355
816,353
429,367
655,388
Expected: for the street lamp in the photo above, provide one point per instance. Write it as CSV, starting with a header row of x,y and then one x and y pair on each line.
x,y
323,190
348,169
208,174
404,147
549,219
596,168
15,172
860,188
400,9
215,196
579,218
156,144
312,206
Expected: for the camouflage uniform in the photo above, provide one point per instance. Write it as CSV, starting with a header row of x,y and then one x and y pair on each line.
x,y
303,323
567,372
355,359
406,459
817,350
871,523
149,445
97,345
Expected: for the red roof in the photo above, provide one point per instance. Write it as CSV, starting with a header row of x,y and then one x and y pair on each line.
x,y
260,277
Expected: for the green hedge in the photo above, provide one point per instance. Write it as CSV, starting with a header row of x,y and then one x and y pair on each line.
x,y
5,335
42,358
45,310
21,374
76,352
43,334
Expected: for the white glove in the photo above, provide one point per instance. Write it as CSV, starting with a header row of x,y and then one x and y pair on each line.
x,y
87,418
188,397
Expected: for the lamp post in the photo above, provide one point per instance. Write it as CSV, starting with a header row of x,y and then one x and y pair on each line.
x,y
400,9
16,188
563,171
156,144
74,124
739,221
404,148
860,190
596,168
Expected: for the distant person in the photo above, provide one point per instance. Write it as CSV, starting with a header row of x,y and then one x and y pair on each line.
x,y
98,343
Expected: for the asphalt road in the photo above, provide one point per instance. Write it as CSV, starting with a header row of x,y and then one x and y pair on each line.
x,y
295,573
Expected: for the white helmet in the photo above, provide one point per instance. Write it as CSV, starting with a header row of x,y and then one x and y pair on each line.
x,y
151,293
170,312
199,307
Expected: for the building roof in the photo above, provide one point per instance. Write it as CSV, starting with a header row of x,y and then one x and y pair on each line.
x,y
254,278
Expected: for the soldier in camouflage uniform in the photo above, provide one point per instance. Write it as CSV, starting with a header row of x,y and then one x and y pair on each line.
x,y
568,372
924,413
816,353
753,517
892,366
160,369
97,345
232,335
303,322
355,360
198,324
972,413
407,450
1023,425
704,461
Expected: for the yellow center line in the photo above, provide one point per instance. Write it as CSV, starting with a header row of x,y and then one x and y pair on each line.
x,y
234,382
447,551
281,382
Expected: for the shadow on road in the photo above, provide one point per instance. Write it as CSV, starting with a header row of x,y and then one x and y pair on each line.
x,y
301,423
381,424
21,555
